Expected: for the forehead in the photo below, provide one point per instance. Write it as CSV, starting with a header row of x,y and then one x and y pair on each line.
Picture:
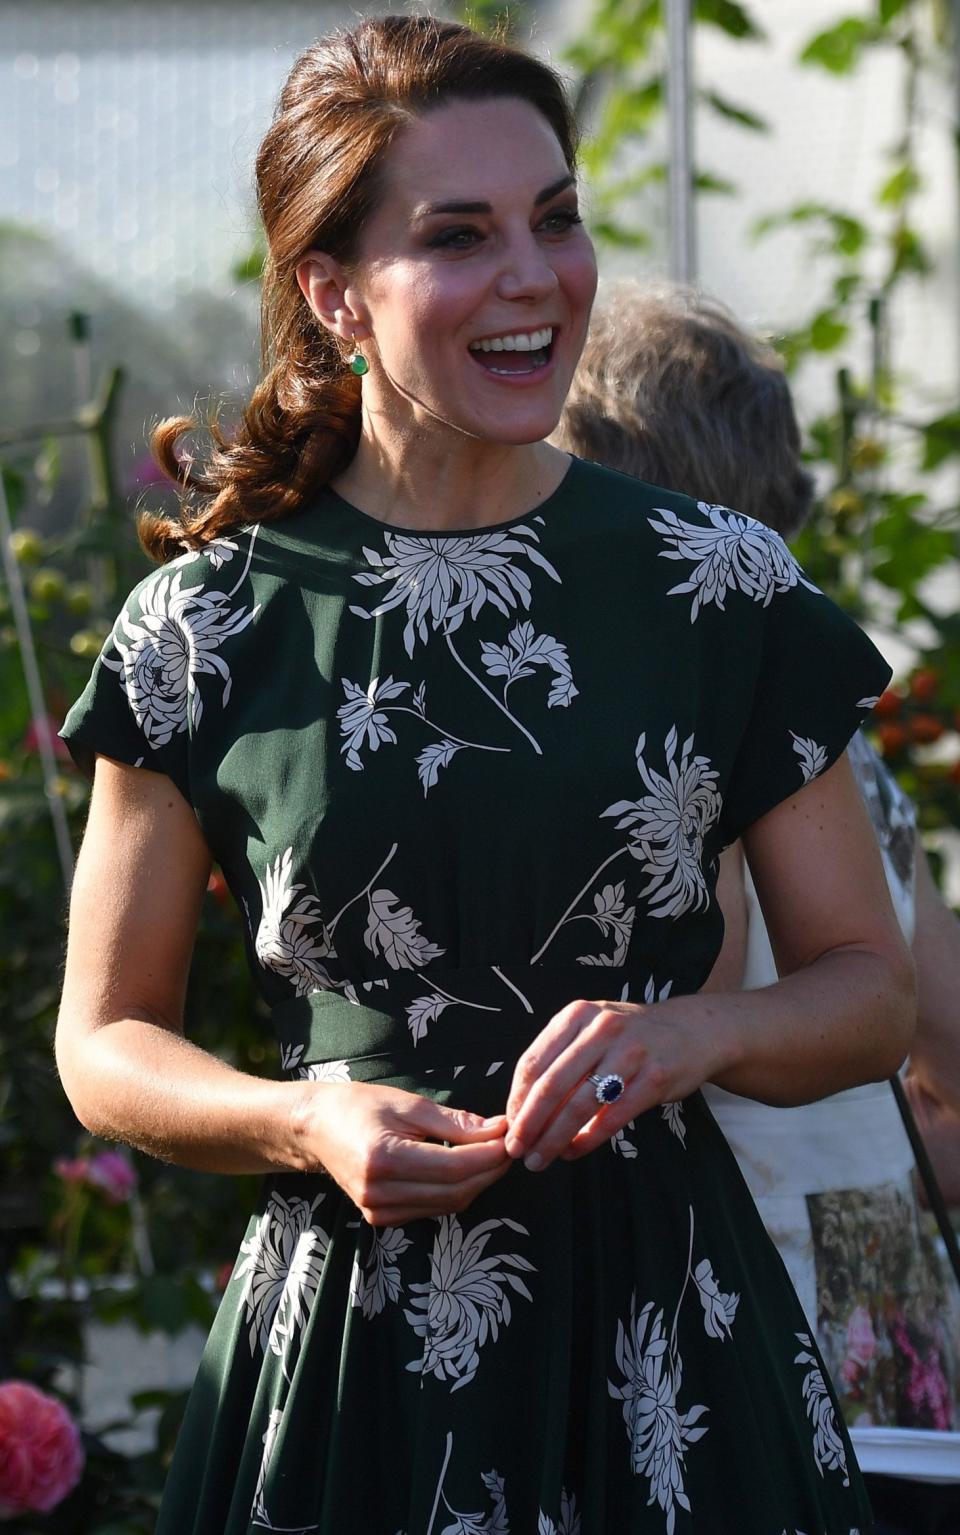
x,y
488,151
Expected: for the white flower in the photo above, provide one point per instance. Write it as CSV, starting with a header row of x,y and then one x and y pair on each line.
x,y
719,1310
174,641
423,1011
569,1518
465,1301
282,1265
441,579
287,940
813,758
379,1280
433,757
828,1450
668,826
658,1432
672,1113
317,1071
362,716
734,553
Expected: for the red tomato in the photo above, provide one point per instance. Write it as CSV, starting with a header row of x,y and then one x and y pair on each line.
x,y
893,738
888,705
924,684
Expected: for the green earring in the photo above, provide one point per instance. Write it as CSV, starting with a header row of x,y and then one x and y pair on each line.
x,y
358,363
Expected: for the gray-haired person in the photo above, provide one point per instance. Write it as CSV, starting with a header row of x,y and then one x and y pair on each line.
x,y
671,389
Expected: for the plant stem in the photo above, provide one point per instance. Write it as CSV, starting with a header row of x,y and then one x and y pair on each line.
x,y
492,696
575,903
331,926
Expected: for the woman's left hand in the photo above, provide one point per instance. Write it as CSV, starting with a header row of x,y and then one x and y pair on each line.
x,y
661,1055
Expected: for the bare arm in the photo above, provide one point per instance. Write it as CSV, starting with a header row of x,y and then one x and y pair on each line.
x,y
844,1013
132,1076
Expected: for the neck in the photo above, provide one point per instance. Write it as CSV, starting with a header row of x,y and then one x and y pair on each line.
x,y
430,478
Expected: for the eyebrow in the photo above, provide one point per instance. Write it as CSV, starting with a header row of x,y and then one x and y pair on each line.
x,y
555,187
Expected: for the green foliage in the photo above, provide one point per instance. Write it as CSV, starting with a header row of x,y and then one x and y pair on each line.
x,y
840,48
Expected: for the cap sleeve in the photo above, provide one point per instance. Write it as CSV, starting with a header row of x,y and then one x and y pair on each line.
x,y
135,707
819,677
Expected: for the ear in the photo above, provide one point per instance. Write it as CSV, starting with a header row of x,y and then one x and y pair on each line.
x,y
324,285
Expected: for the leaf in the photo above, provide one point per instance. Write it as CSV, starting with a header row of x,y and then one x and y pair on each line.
x,y
434,757
731,18
827,332
941,439
892,8
396,934
423,1011
707,181
904,181
734,112
839,48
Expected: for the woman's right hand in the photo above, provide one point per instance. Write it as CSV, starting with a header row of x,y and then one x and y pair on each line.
x,y
386,1149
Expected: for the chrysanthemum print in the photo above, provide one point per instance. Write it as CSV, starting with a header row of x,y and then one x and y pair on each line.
x,y
466,1300
668,825
281,1265
568,1522
291,938
376,1278
729,552
651,1368
166,650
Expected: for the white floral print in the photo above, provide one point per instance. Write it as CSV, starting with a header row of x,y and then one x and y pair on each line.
x,y
668,825
614,918
394,932
317,1071
813,758
828,1449
173,643
659,1433
362,718
569,1518
523,652
281,1265
292,940
466,1300
730,553
719,1310
495,1523
440,580
379,1279
258,1514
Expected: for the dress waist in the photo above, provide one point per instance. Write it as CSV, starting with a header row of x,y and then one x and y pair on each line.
x,y
414,1020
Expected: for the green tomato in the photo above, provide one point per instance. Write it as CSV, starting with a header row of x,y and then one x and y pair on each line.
x,y
27,546
47,585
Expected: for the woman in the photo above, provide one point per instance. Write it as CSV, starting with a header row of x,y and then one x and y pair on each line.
x,y
671,388
398,686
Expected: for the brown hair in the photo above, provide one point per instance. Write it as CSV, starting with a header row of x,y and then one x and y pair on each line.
x,y
672,390
318,171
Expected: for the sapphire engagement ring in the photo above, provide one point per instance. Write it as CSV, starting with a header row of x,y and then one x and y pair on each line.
x,y
608,1089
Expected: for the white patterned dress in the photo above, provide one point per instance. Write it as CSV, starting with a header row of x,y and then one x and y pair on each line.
x,y
456,780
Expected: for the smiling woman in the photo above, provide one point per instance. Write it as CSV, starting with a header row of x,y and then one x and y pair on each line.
x,y
465,748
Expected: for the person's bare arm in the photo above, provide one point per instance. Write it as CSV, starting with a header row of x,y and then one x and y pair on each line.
x,y
844,1013
727,973
130,1074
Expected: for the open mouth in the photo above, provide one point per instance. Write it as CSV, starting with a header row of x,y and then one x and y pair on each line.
x,y
515,354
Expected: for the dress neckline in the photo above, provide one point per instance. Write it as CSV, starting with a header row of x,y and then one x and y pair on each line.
x,y
549,503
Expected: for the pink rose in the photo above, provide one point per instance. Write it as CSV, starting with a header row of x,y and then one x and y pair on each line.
x,y
861,1339
41,1457
112,1173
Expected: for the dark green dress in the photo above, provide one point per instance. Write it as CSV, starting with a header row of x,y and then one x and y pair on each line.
x,y
456,780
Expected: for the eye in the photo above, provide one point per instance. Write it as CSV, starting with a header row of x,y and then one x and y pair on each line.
x,y
561,220
460,238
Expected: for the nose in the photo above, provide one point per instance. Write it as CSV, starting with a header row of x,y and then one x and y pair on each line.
x,y
527,271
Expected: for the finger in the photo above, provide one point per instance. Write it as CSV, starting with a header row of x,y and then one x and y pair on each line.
x,y
540,1054
421,1202
446,1124
641,1095
427,1162
553,1093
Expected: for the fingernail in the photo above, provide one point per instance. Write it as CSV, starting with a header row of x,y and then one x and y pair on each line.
x,y
514,1148
533,1162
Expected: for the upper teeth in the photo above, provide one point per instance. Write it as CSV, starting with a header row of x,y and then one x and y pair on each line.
x,y
529,341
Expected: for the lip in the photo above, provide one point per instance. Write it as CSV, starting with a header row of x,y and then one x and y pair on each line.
x,y
518,380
